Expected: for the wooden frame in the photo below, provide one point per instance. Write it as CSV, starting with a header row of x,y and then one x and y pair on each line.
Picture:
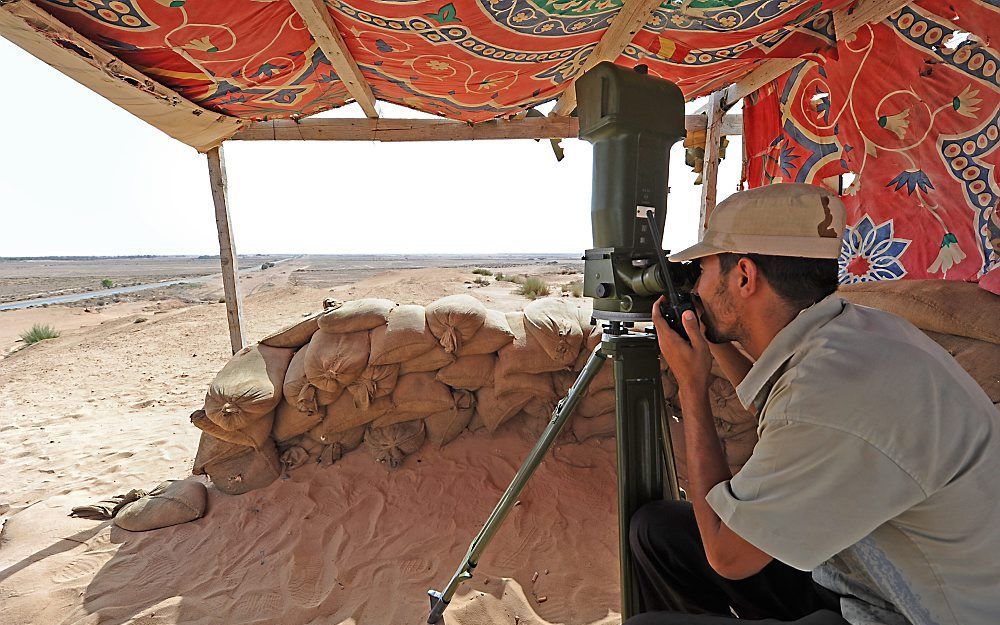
x,y
313,129
227,247
324,30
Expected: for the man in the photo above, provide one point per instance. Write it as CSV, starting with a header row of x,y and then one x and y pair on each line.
x,y
873,494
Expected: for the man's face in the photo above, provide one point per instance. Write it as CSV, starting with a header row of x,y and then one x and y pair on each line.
x,y
716,303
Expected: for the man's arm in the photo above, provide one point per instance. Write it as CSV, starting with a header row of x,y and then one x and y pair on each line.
x,y
734,364
730,555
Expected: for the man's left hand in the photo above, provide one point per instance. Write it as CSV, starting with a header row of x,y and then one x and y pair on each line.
x,y
691,363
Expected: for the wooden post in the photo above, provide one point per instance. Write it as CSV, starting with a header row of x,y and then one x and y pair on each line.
x,y
227,250
710,166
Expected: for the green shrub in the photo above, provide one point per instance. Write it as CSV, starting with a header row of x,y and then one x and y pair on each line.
x,y
482,272
482,281
39,332
107,283
574,288
533,288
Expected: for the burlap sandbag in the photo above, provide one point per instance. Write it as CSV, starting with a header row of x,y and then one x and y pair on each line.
x,y
253,435
343,415
944,306
507,379
391,445
212,449
433,360
494,334
603,425
555,325
980,359
247,471
374,381
171,503
469,372
295,335
297,389
403,338
524,354
347,439
455,319
445,426
358,315
335,360
398,416
540,408
594,404
290,422
421,393
248,387
493,410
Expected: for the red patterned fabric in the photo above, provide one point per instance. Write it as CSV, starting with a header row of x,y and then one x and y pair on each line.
x,y
915,115
467,59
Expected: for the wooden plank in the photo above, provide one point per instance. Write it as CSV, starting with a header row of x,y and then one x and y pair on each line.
x,y
313,129
227,248
324,30
630,19
846,21
710,166
43,36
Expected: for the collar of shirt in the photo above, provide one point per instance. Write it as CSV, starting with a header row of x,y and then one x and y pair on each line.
x,y
754,388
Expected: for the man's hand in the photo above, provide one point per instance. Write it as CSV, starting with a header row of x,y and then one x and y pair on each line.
x,y
691,363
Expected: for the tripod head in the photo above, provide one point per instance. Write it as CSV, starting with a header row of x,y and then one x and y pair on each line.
x,y
632,119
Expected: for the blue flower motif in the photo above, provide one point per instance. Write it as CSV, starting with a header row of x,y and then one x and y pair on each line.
x,y
869,253
911,179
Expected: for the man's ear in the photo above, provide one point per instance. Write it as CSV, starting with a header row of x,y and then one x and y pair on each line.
x,y
747,277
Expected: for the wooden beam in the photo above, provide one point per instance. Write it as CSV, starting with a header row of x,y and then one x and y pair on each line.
x,y
324,30
314,129
846,21
227,248
629,20
43,36
710,163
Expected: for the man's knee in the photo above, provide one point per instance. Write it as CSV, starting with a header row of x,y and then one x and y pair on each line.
x,y
660,524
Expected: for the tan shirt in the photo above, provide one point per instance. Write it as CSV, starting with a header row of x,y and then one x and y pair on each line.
x,y
878,468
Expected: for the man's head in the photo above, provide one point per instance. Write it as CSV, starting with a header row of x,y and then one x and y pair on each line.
x,y
766,253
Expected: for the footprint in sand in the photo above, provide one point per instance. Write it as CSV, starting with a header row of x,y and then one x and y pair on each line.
x,y
85,565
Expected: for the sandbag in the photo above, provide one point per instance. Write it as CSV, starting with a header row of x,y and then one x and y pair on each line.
x,y
469,372
555,325
211,450
445,426
421,393
297,389
336,360
171,503
494,334
390,445
524,354
374,381
433,360
290,422
404,337
595,404
943,306
398,416
603,425
247,471
507,381
540,408
493,410
253,435
980,359
343,415
248,387
295,335
358,315
455,319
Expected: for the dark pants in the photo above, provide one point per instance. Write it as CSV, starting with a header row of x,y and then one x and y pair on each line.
x,y
679,586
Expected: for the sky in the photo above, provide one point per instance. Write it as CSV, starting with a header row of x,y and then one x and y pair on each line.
x,y
81,176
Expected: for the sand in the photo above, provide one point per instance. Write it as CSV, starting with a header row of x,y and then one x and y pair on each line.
x,y
105,408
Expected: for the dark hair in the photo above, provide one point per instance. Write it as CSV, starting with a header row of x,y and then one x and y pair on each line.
x,y
799,281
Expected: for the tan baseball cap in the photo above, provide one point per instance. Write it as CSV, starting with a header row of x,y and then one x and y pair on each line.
x,y
786,219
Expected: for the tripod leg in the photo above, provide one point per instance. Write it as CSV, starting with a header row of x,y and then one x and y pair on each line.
x,y
562,412
642,445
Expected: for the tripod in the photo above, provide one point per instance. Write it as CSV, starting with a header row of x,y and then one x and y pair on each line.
x,y
645,456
